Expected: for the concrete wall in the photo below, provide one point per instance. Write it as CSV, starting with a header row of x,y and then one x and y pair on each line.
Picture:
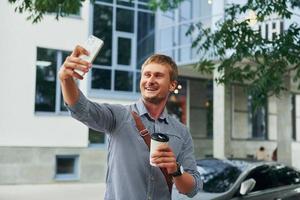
x,y
248,148
34,165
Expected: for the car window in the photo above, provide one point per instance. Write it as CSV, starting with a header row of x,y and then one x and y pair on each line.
x,y
285,175
218,176
265,178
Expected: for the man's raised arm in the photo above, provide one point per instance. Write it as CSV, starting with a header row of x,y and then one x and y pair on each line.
x,y
67,74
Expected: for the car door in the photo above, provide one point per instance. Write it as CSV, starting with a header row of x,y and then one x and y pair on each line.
x,y
265,187
273,182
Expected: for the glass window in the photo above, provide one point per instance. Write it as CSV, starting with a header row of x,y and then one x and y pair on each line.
x,y
264,177
185,54
124,51
167,38
184,39
125,20
66,167
258,120
281,27
167,18
285,175
201,108
145,37
65,54
45,92
114,68
48,96
124,81
266,31
96,138
102,28
218,176
267,177
101,79
128,3
107,1
185,11
294,117
176,104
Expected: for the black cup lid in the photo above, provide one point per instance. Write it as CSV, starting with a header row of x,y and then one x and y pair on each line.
x,y
160,137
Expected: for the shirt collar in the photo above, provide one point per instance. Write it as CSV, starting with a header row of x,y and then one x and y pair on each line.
x,y
142,110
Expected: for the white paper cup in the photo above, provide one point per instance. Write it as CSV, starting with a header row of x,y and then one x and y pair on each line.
x,y
157,139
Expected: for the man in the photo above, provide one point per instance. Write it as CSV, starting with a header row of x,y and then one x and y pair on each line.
x,y
129,174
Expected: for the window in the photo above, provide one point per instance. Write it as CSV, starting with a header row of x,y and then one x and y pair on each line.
x,y
267,177
176,104
196,97
74,11
294,117
248,122
145,37
173,26
96,138
285,175
258,120
128,34
48,96
66,167
264,177
266,31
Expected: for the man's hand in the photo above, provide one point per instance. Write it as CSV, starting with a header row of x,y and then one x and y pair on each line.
x,y
74,62
164,157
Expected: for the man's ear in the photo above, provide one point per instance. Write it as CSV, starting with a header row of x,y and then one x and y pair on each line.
x,y
173,86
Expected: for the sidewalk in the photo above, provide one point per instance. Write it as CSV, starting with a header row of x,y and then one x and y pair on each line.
x,y
63,191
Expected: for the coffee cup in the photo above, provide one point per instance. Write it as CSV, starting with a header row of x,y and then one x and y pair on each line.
x,y
157,139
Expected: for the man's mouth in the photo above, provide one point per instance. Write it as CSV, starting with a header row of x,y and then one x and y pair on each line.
x,y
151,88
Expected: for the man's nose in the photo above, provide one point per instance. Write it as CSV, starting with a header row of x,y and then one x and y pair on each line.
x,y
151,79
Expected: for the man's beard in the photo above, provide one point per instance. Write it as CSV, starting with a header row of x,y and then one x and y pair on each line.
x,y
154,100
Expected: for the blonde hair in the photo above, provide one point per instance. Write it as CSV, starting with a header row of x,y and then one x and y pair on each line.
x,y
163,60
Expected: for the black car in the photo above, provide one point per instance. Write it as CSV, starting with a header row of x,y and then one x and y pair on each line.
x,y
238,179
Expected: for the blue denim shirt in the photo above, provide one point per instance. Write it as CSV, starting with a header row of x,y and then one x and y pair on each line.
x,y
129,174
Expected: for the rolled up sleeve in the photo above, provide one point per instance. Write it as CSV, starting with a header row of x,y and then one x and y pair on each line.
x,y
188,162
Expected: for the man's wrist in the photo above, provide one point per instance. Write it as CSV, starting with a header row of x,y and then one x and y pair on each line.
x,y
179,171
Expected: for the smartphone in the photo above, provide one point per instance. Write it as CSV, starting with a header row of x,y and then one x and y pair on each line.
x,y
93,45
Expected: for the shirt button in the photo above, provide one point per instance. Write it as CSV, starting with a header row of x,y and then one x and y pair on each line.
x,y
152,178
149,198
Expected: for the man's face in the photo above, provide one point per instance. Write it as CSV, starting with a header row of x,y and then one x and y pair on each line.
x,y
155,83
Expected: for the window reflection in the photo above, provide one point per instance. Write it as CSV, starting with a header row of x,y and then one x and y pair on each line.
x,y
123,81
125,20
145,39
101,78
167,38
45,92
185,11
124,51
102,28
176,104
258,119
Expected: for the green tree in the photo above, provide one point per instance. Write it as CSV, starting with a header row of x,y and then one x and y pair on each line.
x,y
37,8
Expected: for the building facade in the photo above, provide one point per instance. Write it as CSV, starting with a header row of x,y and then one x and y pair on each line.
x,y
41,143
